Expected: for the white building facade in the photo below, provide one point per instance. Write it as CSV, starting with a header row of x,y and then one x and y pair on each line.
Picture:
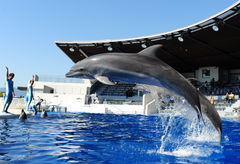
x,y
62,92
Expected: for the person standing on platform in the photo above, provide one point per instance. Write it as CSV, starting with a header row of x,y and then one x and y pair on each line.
x,y
38,105
227,97
231,97
9,90
211,100
29,96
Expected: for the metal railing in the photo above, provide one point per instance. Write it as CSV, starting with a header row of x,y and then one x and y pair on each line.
x,y
50,78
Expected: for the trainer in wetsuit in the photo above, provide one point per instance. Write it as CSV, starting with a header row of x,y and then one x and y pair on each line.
x,y
29,96
9,91
38,105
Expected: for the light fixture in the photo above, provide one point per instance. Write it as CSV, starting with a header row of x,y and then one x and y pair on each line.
x,y
71,49
215,28
143,45
180,39
109,48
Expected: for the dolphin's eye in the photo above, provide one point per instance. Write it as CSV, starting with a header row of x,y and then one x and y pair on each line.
x,y
81,69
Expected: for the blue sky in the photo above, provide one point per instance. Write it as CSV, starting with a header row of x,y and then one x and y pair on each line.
x,y
29,28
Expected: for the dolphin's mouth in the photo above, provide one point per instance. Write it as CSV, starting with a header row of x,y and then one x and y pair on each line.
x,y
78,74
72,73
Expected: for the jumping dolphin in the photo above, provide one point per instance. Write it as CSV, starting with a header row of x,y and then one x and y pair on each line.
x,y
23,115
144,68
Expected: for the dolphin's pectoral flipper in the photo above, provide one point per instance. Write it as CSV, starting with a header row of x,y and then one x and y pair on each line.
x,y
199,107
104,80
198,112
199,115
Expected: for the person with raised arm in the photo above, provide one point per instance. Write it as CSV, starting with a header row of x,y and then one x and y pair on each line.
x,y
29,96
9,91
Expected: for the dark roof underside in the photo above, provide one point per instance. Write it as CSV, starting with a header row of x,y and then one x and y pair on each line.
x,y
201,45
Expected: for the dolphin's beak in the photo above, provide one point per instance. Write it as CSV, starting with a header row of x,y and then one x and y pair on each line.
x,y
78,74
71,73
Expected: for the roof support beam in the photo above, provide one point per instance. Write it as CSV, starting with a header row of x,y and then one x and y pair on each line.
x,y
204,43
177,57
82,52
233,26
212,47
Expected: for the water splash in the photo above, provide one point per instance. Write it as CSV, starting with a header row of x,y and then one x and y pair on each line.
x,y
187,136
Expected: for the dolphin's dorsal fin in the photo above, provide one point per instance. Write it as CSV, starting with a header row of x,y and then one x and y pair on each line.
x,y
151,51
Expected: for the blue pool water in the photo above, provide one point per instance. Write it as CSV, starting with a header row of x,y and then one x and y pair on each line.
x,y
114,139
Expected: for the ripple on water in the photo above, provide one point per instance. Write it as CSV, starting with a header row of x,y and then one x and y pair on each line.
x,y
97,138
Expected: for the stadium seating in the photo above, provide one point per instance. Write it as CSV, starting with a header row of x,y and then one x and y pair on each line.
x,y
116,90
